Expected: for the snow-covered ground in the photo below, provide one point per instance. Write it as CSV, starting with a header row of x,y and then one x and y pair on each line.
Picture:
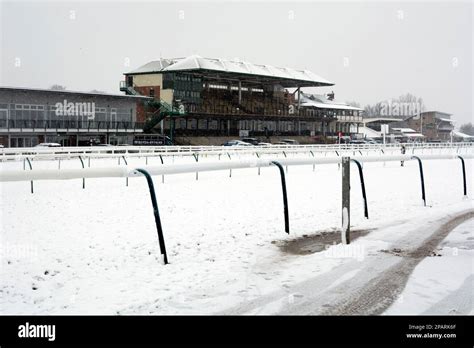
x,y
443,283
66,250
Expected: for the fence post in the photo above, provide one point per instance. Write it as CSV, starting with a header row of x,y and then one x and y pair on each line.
x,y
285,198
156,212
83,179
463,175
420,165
163,176
31,168
346,198
258,156
362,185
126,163
196,157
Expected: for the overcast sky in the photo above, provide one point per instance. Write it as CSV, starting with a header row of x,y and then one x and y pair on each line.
x,y
371,51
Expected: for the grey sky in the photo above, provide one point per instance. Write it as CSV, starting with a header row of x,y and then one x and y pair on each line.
x,y
372,51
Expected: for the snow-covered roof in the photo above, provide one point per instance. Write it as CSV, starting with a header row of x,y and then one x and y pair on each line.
x,y
153,66
101,94
404,130
413,135
462,135
369,132
381,119
445,119
196,62
320,101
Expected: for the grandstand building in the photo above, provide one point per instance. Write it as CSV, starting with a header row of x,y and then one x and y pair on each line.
x,y
30,116
207,97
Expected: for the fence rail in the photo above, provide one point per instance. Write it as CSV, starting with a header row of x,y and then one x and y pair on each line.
x,y
170,169
9,154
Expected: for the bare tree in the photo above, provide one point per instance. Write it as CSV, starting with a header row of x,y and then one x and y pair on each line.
x,y
57,88
353,103
375,110
467,128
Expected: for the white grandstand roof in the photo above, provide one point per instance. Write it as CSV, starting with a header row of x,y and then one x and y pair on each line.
x,y
154,66
196,62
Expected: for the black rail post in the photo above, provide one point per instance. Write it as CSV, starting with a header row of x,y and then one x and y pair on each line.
x,y
156,212
126,163
230,171
463,175
362,185
163,176
83,179
314,165
31,168
284,154
285,197
258,156
196,157
346,200
420,165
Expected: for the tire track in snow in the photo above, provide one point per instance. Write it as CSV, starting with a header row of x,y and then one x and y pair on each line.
x,y
367,288
380,293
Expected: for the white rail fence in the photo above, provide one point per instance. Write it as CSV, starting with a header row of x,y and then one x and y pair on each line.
x,y
127,171
37,153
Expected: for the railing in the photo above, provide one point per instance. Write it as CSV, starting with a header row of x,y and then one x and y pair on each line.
x,y
38,153
195,167
45,125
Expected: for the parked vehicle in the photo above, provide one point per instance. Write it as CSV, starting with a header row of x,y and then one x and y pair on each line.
x,y
290,142
253,141
357,141
48,145
236,143
264,144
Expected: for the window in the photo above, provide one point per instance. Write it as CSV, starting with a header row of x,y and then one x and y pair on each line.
x,y
152,92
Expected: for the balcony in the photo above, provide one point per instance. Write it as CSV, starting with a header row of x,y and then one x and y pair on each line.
x,y
49,126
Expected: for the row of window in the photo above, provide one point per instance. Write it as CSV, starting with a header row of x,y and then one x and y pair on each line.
x,y
53,108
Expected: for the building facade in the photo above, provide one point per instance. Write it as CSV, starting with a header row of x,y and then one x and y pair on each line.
x,y
32,116
434,125
218,97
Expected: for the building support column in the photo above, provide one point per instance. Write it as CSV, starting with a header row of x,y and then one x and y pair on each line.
x,y
240,92
299,99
